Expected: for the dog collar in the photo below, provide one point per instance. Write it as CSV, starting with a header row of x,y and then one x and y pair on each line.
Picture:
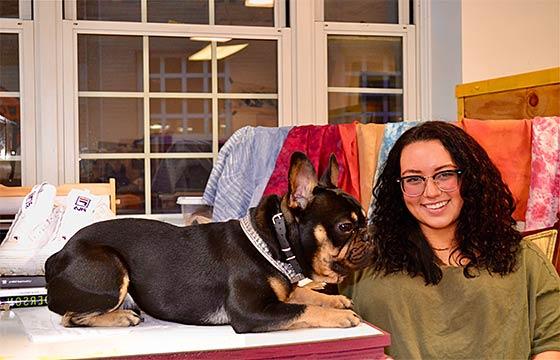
x,y
294,275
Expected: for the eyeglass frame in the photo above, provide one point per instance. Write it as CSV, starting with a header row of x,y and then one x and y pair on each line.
x,y
458,172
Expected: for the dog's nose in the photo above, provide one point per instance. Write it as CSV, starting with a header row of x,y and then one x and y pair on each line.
x,y
339,268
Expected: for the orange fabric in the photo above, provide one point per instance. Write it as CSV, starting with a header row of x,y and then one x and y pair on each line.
x,y
350,146
369,138
508,143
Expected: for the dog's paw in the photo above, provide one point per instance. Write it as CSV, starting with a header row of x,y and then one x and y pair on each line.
x,y
343,318
339,302
130,318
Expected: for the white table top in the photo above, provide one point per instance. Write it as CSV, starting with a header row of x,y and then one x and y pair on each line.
x,y
28,333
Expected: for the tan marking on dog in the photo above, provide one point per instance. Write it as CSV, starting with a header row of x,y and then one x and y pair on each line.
x,y
311,297
279,287
120,318
316,316
325,254
354,216
122,291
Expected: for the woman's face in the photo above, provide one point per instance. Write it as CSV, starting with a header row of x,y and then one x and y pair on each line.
x,y
435,210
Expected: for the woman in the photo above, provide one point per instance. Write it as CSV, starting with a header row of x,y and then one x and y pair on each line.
x,y
452,278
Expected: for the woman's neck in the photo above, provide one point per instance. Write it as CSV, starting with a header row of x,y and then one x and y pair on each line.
x,y
442,242
439,238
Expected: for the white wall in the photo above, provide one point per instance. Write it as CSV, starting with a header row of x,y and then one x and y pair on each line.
x,y
445,68
506,37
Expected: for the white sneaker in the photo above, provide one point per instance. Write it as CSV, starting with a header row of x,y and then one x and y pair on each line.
x,y
29,231
35,209
81,209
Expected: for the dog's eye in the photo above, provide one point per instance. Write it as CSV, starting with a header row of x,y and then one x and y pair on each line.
x,y
346,227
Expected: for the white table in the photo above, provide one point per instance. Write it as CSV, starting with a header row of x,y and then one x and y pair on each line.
x,y
36,332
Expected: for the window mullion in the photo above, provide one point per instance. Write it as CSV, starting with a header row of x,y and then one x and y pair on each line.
x,y
215,115
146,94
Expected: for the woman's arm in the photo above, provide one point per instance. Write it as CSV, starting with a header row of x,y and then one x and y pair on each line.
x,y
547,355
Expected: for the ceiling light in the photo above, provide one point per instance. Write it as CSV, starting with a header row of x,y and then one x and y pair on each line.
x,y
222,52
259,3
210,38
156,127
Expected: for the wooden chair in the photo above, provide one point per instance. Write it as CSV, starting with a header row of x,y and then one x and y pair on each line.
x,y
548,241
12,196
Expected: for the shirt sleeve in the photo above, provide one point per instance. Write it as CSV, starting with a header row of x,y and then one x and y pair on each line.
x,y
544,303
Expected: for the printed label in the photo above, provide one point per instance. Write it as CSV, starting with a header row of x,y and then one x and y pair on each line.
x,y
82,203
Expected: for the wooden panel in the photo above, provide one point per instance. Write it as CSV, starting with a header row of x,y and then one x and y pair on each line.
x,y
515,104
63,190
508,83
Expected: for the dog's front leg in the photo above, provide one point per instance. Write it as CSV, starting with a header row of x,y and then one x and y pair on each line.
x,y
316,316
311,297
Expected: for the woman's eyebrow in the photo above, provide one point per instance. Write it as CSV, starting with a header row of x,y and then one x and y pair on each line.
x,y
450,165
418,172
411,172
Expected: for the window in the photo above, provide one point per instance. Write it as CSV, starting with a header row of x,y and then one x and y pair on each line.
x,y
367,51
16,100
160,89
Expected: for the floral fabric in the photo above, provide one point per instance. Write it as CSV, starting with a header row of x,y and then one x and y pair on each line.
x,y
544,195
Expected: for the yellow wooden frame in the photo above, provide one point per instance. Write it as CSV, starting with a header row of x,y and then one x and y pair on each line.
x,y
515,82
109,189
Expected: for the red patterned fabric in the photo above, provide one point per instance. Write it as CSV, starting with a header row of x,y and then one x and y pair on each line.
x,y
317,142
350,146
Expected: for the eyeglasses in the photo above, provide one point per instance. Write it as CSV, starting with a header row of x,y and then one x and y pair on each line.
x,y
446,181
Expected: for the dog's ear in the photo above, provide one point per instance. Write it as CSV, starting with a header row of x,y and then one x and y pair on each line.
x,y
330,176
302,180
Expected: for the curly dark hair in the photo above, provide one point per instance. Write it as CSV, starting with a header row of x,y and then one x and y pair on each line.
x,y
485,230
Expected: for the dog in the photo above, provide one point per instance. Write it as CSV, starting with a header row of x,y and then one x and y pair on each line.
x,y
260,273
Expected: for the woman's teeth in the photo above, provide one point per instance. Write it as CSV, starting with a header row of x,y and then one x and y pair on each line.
x,y
437,205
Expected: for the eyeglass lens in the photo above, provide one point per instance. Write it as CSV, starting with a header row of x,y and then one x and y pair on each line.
x,y
445,181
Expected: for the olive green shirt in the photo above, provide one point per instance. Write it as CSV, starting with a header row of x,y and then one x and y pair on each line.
x,y
486,317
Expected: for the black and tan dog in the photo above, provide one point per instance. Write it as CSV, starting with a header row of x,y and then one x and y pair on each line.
x,y
218,273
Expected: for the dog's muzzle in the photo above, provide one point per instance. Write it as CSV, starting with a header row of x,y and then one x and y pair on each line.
x,y
360,251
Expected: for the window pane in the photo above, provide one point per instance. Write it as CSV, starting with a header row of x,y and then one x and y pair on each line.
x,y
172,71
129,176
365,108
109,125
234,114
178,11
251,69
9,62
10,173
9,8
114,10
181,125
240,12
362,11
10,136
365,61
109,63
172,178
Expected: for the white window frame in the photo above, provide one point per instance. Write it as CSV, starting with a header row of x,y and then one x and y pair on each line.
x,y
409,42
26,94
405,32
71,30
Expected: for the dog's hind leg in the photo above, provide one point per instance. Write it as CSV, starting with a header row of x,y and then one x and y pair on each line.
x,y
88,287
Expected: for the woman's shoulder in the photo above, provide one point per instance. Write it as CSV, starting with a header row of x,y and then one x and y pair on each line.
x,y
532,257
